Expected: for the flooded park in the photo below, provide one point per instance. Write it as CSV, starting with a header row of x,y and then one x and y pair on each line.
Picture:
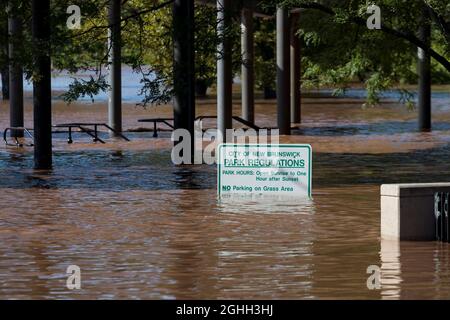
x,y
88,180
141,227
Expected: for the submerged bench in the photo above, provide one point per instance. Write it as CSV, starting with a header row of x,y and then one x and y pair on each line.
x,y
235,118
17,143
408,210
199,118
91,132
158,120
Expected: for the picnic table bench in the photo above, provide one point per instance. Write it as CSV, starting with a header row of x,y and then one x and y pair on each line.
x,y
89,131
17,143
199,118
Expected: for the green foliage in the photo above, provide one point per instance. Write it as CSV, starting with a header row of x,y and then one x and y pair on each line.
x,y
265,70
81,88
338,50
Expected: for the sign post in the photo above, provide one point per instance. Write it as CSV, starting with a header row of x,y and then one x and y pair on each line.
x,y
282,169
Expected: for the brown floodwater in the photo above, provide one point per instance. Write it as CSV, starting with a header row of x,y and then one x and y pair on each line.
x,y
142,228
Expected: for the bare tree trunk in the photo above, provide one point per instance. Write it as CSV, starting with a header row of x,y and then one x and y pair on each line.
x,y
4,68
184,68
424,71
42,90
5,83
16,118
115,66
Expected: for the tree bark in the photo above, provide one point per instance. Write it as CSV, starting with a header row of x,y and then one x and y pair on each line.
x,y
201,88
115,66
16,118
5,69
5,83
42,90
184,69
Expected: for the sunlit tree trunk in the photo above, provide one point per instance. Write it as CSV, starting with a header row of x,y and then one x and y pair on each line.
x,y
115,66
424,70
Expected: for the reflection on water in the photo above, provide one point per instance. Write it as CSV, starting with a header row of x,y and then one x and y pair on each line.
x,y
260,204
391,278
413,270
140,227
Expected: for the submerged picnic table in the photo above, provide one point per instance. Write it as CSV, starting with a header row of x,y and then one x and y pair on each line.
x,y
158,120
199,118
83,126
17,143
91,132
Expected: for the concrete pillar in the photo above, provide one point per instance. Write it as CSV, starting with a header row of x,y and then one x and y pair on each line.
x,y
247,73
407,211
224,69
424,70
42,90
184,67
115,65
283,71
15,74
295,71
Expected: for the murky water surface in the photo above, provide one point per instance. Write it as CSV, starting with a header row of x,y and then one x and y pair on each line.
x,y
140,227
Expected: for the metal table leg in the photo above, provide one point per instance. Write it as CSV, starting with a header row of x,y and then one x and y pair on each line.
x,y
69,140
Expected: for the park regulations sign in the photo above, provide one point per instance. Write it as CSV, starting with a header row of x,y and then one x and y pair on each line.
x,y
280,169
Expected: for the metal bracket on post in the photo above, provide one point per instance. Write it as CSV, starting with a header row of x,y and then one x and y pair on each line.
x,y
441,215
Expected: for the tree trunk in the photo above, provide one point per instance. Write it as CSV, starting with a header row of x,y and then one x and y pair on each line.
x,y
184,72
5,83
5,69
16,118
200,88
224,69
424,71
42,90
269,93
115,66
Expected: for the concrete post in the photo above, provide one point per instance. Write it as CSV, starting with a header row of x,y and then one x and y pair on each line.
x,y
295,71
224,69
15,74
283,71
247,73
424,70
42,90
115,65
184,67
407,210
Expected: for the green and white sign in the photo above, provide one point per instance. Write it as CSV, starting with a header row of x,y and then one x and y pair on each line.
x,y
282,169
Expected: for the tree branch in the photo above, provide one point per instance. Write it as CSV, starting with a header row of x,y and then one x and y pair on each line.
x,y
386,29
440,21
125,19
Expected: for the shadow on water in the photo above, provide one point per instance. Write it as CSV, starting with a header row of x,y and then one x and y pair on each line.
x,y
430,165
106,171
407,269
381,128
152,170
